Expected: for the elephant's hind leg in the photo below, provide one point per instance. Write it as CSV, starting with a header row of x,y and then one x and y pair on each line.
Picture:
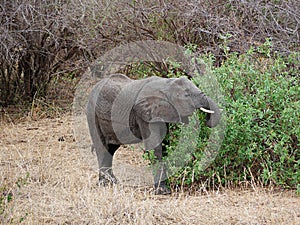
x,y
105,165
103,151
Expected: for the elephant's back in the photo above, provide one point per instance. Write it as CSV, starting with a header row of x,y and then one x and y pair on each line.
x,y
119,78
105,93
113,85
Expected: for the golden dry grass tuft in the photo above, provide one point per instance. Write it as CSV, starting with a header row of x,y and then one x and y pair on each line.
x,y
44,180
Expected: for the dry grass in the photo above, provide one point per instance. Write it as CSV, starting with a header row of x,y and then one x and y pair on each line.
x,y
49,183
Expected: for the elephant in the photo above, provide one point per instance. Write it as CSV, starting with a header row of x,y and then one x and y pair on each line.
x,y
121,111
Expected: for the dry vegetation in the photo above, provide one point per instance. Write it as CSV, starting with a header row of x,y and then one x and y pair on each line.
x,y
44,180
44,47
45,40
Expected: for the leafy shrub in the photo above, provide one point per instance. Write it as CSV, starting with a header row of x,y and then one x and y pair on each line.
x,y
263,122
262,107
263,128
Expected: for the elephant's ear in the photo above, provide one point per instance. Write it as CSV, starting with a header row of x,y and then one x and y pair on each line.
x,y
156,109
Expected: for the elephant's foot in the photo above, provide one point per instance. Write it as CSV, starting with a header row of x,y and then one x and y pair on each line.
x,y
106,177
161,189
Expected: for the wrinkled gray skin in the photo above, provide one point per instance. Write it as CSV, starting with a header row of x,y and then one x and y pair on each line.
x,y
125,111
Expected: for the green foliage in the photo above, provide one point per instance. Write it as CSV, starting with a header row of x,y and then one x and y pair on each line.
x,y
150,156
261,142
183,140
263,124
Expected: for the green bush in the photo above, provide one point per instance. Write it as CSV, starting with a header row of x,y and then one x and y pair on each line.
x,y
261,141
263,119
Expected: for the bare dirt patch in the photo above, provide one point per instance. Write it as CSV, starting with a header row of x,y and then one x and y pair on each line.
x,y
45,180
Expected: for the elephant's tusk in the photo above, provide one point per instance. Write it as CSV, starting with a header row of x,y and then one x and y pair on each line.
x,y
206,110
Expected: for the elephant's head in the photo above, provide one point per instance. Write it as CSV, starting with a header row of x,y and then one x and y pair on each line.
x,y
173,100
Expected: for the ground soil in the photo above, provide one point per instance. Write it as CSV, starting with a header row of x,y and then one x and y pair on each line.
x,y
45,179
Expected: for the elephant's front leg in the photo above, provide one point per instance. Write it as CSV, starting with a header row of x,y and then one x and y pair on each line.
x,y
160,173
153,135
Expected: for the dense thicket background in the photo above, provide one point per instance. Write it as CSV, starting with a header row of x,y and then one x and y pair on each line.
x,y
44,40
253,45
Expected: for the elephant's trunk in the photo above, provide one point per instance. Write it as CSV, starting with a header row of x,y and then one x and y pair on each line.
x,y
207,105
